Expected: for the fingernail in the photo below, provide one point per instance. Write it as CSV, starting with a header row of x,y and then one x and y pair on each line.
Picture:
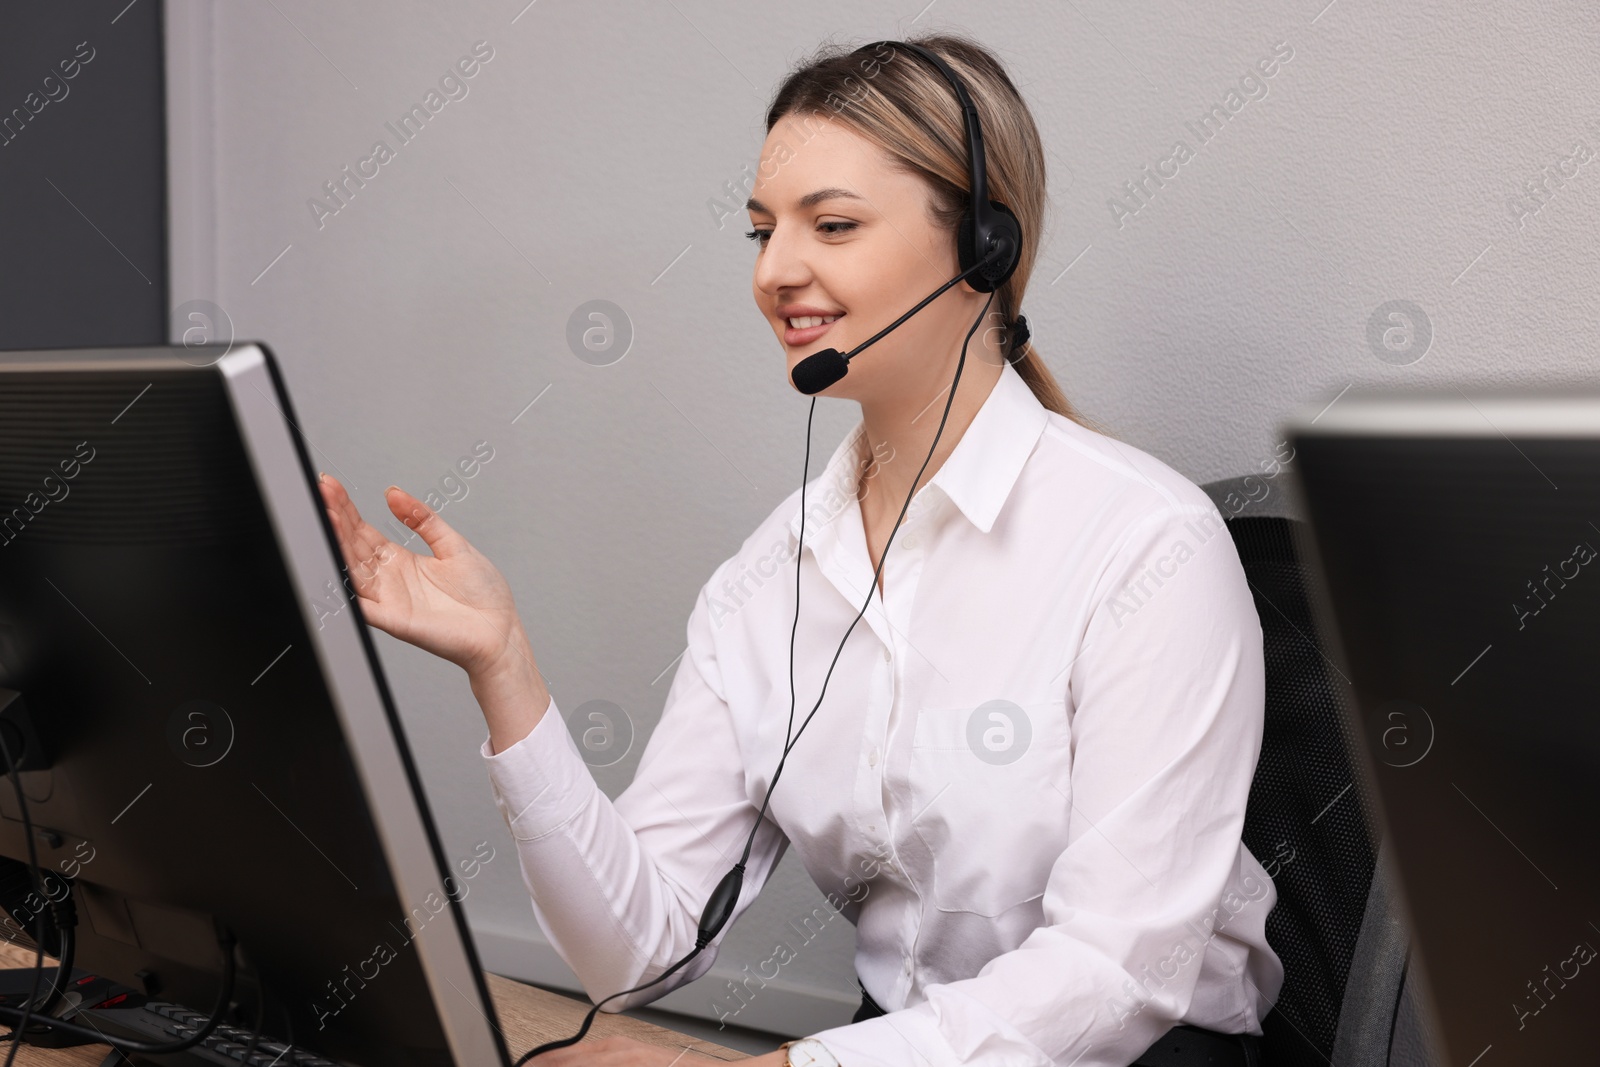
x,y
392,488
321,477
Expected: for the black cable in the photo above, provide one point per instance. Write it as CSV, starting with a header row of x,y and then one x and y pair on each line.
x,y
225,940
720,906
65,917
67,944
883,557
261,1018
38,888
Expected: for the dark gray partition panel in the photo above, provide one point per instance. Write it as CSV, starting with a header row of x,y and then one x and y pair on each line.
x,y
83,215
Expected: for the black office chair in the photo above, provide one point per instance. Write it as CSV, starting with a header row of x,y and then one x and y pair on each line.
x,y
1310,820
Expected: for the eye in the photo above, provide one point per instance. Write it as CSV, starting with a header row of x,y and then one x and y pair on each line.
x,y
831,228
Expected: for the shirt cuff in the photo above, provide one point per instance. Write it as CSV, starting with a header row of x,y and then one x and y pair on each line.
x,y
540,782
911,1038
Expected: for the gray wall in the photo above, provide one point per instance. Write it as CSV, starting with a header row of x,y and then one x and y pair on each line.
x,y
1379,165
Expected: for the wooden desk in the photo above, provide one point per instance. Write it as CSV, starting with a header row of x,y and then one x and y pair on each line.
x,y
528,1015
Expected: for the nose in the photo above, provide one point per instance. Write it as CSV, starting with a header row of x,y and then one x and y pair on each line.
x,y
780,266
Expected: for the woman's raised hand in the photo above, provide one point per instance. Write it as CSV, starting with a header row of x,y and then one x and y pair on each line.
x,y
453,603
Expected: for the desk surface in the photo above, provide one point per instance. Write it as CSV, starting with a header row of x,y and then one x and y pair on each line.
x,y
529,1016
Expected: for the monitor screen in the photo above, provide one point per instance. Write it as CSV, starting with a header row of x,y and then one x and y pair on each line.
x,y
211,743
1457,537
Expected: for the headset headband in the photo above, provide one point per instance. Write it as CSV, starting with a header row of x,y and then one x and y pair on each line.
x,y
988,228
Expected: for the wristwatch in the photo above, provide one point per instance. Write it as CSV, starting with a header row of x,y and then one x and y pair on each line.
x,y
807,1052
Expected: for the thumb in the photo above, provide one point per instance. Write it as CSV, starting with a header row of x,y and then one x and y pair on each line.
x,y
441,538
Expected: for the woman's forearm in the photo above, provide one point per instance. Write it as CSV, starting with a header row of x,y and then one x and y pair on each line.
x,y
511,693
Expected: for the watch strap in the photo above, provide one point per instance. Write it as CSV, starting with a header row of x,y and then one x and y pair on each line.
x,y
788,1062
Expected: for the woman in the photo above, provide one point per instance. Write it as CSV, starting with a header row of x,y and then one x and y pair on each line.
x,y
1025,780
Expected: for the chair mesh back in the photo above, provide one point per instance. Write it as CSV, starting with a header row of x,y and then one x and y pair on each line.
x,y
1310,810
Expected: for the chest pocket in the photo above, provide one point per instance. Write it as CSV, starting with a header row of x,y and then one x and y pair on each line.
x,y
989,787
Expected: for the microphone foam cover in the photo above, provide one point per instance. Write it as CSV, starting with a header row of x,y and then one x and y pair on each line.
x,y
819,370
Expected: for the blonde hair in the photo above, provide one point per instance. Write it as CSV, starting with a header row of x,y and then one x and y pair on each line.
x,y
899,102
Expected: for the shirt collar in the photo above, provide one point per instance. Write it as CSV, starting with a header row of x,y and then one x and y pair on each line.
x,y
977,476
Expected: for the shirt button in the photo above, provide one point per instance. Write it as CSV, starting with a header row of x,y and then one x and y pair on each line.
x,y
872,756
886,654
908,967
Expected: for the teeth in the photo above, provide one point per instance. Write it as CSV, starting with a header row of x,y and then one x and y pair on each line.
x,y
810,320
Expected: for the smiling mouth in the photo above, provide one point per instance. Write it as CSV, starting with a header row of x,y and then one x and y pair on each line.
x,y
817,325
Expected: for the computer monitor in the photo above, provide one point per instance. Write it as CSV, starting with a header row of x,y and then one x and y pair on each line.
x,y
1457,537
212,739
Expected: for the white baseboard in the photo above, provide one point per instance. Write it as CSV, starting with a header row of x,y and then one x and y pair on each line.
x,y
779,1007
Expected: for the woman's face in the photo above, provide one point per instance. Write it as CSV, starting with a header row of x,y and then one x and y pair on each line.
x,y
840,232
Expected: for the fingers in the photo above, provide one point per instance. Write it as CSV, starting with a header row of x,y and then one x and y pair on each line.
x,y
363,546
365,537
441,538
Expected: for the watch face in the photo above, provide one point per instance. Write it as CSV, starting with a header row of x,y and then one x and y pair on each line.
x,y
809,1052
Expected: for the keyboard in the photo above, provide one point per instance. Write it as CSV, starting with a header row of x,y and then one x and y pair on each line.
x,y
119,1011
225,1046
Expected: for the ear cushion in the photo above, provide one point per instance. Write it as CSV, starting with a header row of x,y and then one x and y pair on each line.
x,y
999,229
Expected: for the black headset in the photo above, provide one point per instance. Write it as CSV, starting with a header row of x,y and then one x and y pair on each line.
x,y
989,247
988,236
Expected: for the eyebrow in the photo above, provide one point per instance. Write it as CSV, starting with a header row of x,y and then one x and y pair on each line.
x,y
809,200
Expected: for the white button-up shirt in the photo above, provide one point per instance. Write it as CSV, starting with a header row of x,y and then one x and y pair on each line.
x,y
1025,786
